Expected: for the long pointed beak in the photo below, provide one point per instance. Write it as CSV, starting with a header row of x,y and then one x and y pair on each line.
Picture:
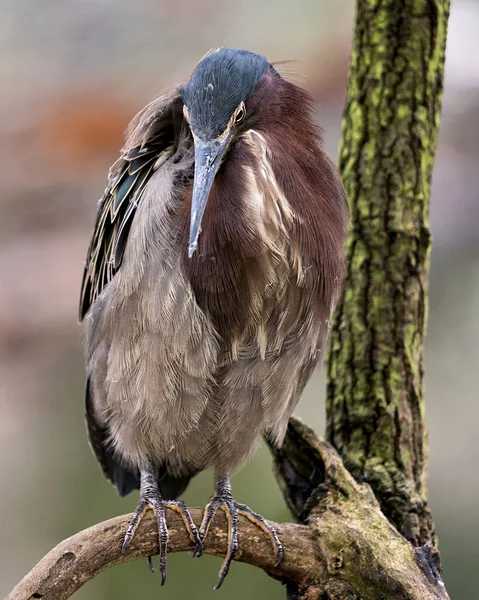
x,y
208,155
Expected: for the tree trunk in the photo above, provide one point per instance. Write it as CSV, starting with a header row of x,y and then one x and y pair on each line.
x,y
375,392
375,388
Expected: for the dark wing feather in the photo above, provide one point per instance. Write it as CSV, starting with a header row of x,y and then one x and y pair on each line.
x,y
151,139
124,480
152,134
128,177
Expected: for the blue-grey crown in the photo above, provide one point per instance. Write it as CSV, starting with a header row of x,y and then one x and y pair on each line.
x,y
223,79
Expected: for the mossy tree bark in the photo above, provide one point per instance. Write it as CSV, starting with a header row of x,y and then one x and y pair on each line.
x,y
375,394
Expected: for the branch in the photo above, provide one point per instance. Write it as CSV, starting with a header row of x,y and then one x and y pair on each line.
x,y
78,559
363,555
348,549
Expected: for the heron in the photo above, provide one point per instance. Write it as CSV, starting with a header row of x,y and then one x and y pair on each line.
x,y
216,261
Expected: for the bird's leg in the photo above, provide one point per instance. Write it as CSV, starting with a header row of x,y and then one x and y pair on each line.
x,y
150,497
223,499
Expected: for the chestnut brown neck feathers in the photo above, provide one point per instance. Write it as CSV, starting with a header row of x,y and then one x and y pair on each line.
x,y
276,200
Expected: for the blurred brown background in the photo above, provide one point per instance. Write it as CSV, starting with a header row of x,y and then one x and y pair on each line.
x,y
73,73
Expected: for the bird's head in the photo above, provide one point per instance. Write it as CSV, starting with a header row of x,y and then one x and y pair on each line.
x,y
215,106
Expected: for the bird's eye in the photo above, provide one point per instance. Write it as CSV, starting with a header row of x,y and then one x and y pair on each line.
x,y
240,114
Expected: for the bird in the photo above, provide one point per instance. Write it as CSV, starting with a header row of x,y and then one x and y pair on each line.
x,y
215,264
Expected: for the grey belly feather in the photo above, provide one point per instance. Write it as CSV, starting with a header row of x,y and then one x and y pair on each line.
x,y
163,386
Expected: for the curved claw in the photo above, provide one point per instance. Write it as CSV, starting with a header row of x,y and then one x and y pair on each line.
x,y
198,551
150,564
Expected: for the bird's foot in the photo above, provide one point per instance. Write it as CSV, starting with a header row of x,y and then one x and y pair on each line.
x,y
232,510
159,505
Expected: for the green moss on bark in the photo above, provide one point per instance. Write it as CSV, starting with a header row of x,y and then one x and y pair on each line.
x,y
375,396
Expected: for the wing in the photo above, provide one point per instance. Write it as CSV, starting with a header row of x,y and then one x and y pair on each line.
x,y
151,141
124,480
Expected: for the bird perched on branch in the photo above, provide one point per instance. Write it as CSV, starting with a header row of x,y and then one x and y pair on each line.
x,y
214,267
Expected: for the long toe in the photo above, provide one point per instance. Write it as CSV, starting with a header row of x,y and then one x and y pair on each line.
x,y
159,509
180,507
232,510
142,507
268,529
159,506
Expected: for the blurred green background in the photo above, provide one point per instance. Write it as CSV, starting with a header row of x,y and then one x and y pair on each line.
x,y
73,73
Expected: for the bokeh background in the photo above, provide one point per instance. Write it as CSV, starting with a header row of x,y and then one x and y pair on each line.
x,y
73,73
